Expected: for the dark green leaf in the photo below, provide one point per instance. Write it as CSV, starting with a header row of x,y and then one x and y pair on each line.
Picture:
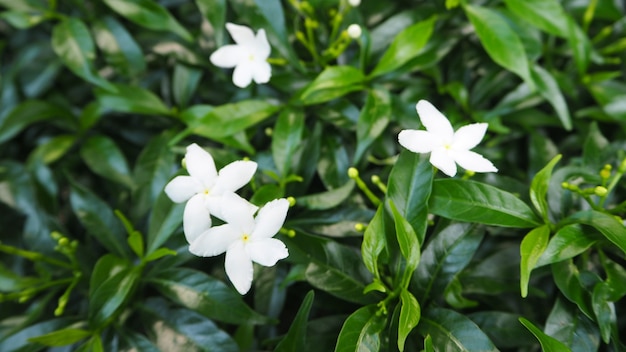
x,y
120,49
185,83
613,229
111,296
548,344
503,328
374,241
159,253
567,278
53,149
549,89
477,202
107,266
452,331
61,337
539,188
18,341
131,99
165,218
533,245
604,310
409,316
295,339
27,113
361,331
548,15
328,199
286,139
105,158
595,150
373,120
568,242
334,82
568,325
409,245
215,12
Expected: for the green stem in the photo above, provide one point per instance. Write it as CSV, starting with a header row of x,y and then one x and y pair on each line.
x,y
33,256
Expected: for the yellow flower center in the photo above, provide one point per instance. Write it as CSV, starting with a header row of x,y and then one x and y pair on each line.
x,y
245,238
206,192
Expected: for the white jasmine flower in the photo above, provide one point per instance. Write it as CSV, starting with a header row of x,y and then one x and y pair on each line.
x,y
245,239
446,147
354,3
204,188
354,31
248,56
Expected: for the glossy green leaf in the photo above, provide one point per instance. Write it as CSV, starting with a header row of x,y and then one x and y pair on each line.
x,y
452,331
373,120
581,45
206,295
405,46
105,158
548,344
53,149
374,241
28,113
334,82
478,202
567,278
72,42
185,83
549,89
106,266
119,47
567,242
286,139
568,325
20,19
165,218
361,331
215,12
131,99
229,119
328,199
159,253
149,14
613,229
499,40
539,188
503,329
604,310
409,316
19,340
532,247
111,296
61,337
615,278
409,245
595,150
295,339
548,15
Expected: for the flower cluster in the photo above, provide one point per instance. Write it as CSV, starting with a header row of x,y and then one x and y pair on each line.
x,y
243,237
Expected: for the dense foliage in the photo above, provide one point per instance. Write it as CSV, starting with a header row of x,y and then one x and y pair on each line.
x,y
100,98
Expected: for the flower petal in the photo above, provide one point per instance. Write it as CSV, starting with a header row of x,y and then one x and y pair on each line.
x,y
473,161
242,76
261,47
214,241
262,72
434,121
467,137
418,141
234,210
200,165
270,218
234,176
239,267
182,188
227,56
443,161
267,251
196,218
242,35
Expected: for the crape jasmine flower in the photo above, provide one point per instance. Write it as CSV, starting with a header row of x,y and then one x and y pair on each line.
x,y
245,239
446,147
204,188
248,56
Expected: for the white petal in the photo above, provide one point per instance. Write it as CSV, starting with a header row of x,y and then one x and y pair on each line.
x,y
434,121
443,161
467,137
262,48
196,218
270,218
234,210
267,251
242,35
182,188
234,176
418,141
200,165
239,267
242,76
214,241
262,72
474,162
227,56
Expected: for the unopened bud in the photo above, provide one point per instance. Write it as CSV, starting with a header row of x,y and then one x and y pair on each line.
x,y
564,185
269,131
600,191
292,201
291,233
354,31
622,166
360,227
63,241
353,173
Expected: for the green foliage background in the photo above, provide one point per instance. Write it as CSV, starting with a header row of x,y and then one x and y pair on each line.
x,y
100,98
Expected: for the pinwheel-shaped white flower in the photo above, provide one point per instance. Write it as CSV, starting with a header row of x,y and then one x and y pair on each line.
x,y
245,239
248,56
204,188
446,147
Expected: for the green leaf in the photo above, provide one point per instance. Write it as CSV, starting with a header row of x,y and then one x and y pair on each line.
x,y
206,295
132,100
165,218
215,12
604,310
409,316
295,339
613,229
596,148
567,278
120,49
548,344
27,113
106,266
105,158
452,331
185,83
61,337
374,241
568,325
547,15
409,187
503,329
405,46
19,340
549,89
328,199
533,245
227,120
454,295
53,149
568,242
499,40
539,188
373,120
111,296
149,14
409,244
286,139
334,82
21,20
472,201
581,46
361,331
72,42
157,254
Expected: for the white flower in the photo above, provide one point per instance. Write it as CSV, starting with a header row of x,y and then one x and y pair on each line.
x,y
446,147
248,56
354,31
354,3
245,240
204,188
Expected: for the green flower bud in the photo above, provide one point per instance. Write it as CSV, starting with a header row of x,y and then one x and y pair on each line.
x,y
353,173
600,191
